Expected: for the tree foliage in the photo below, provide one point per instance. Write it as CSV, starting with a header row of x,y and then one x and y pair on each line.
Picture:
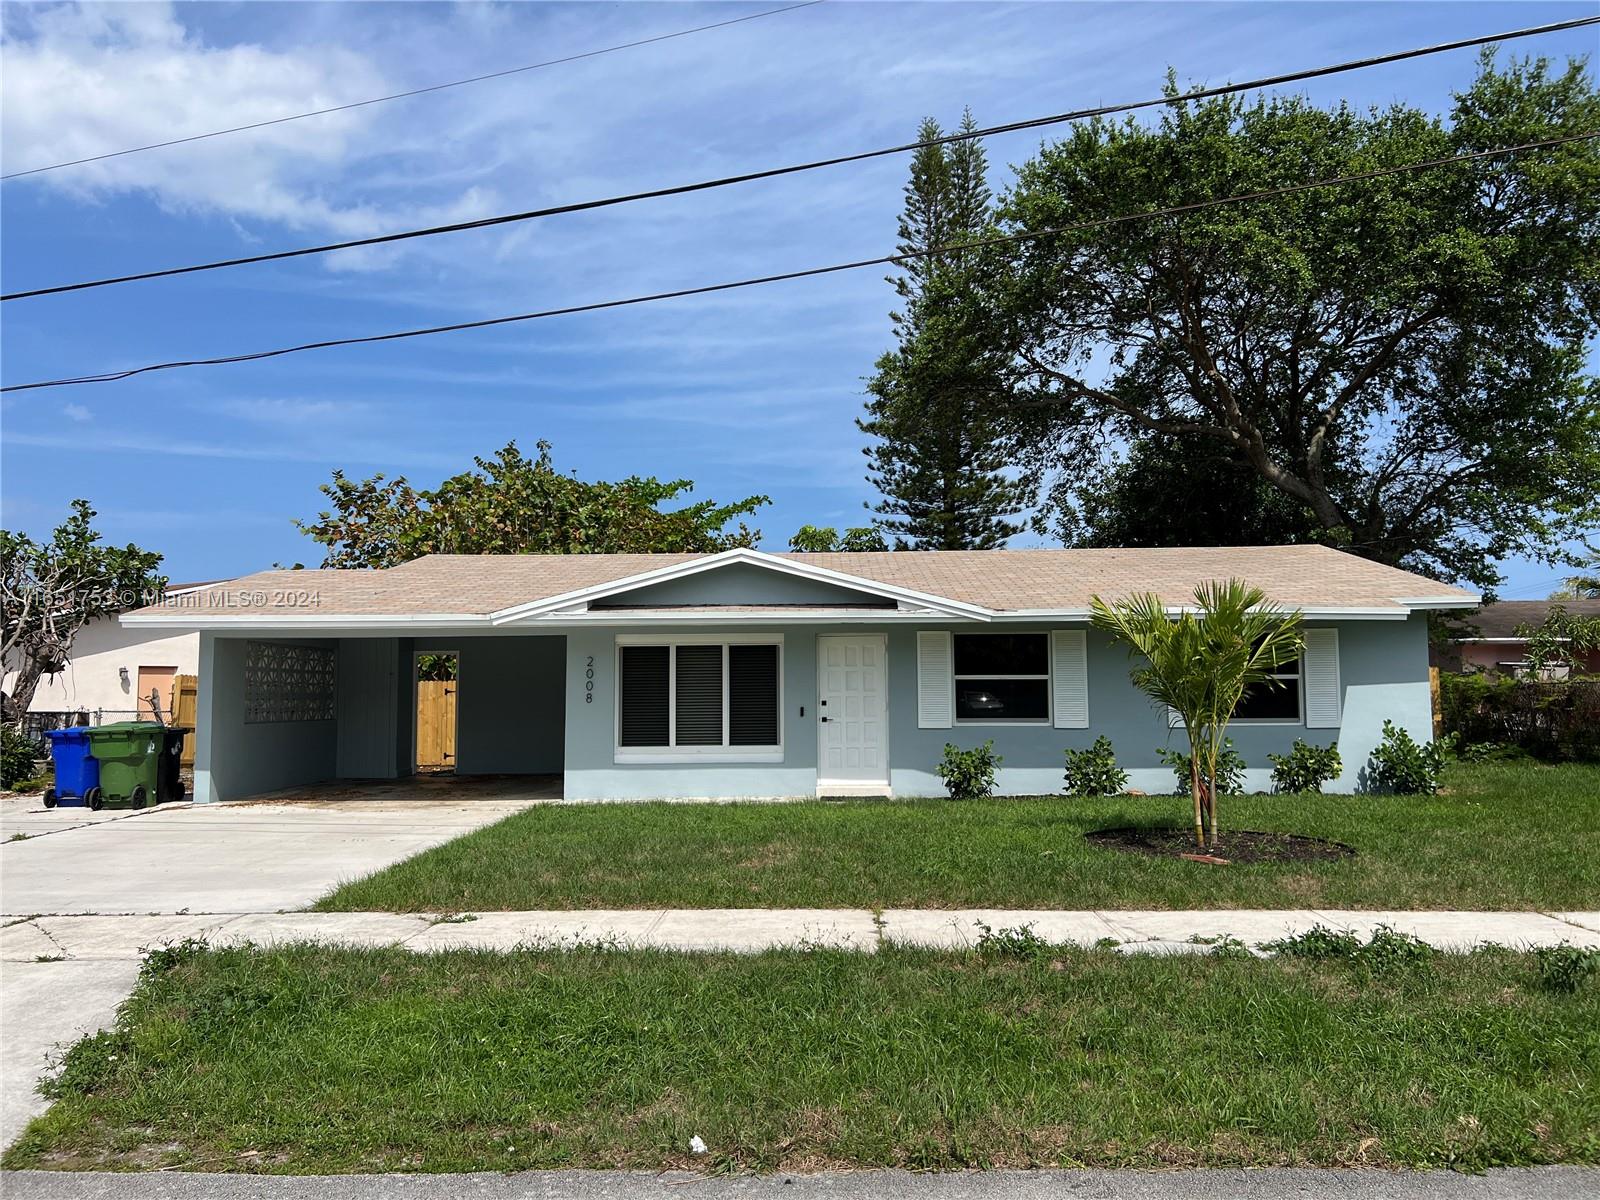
x,y
1400,359
50,590
937,455
515,505
820,539
1199,663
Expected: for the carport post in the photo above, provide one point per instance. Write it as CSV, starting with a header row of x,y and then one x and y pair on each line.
x,y
205,791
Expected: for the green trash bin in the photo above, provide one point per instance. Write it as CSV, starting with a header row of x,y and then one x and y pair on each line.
x,y
130,754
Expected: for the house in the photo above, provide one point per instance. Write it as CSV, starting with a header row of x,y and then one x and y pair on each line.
x,y
1489,640
748,674
114,669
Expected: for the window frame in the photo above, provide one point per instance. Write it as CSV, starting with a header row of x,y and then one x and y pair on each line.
x,y
673,753
1298,691
956,719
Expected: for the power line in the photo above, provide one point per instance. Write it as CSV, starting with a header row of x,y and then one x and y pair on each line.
x,y
782,277
422,91
774,172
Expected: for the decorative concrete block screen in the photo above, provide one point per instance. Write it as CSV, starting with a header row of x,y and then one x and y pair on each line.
x,y
287,683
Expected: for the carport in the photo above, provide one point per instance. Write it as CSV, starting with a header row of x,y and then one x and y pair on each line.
x,y
279,712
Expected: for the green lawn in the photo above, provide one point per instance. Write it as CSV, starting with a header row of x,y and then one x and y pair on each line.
x,y
1504,836
309,1060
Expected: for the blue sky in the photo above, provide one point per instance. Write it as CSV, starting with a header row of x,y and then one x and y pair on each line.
x,y
744,393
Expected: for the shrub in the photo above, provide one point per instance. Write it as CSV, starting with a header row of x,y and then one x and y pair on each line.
x,y
1558,721
1566,967
18,753
1306,767
1094,772
1388,952
1230,769
1402,765
969,774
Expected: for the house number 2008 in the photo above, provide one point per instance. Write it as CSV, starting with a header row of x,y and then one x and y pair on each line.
x,y
588,681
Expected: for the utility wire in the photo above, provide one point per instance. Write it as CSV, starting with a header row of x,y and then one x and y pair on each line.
x,y
422,91
885,260
774,172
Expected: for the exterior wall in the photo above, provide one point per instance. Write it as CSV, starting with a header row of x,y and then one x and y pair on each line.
x,y
234,758
1491,656
1383,675
742,583
93,681
509,706
368,706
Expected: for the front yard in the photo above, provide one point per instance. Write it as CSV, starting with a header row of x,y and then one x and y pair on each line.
x,y
312,1060
1503,836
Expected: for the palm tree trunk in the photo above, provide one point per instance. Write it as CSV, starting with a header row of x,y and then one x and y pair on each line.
x,y
1196,788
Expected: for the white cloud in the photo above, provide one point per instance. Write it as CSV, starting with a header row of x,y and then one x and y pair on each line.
x,y
76,412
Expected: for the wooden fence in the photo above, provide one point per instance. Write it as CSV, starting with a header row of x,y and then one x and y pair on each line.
x,y
436,725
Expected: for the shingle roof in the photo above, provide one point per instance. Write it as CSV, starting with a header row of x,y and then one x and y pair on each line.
x,y
1000,580
1501,620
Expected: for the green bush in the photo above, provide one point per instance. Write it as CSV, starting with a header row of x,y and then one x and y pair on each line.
x,y
1557,721
1306,767
1317,943
1015,941
17,756
1565,968
1404,766
969,774
1094,772
1230,769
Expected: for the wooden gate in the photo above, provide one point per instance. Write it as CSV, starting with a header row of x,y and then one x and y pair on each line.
x,y
436,725
185,707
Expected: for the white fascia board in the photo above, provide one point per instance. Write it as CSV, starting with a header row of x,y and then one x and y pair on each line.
x,y
1439,601
321,621
1386,613
711,562
622,619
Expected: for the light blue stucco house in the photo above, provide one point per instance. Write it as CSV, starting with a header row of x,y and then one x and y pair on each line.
x,y
747,674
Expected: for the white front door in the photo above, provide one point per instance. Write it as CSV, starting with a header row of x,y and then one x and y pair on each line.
x,y
852,704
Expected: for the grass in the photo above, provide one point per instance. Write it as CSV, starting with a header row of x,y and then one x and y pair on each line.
x,y
311,1060
1504,836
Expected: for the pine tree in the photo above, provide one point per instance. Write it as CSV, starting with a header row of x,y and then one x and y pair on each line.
x,y
936,456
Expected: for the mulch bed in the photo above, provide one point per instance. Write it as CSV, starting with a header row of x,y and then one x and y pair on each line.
x,y
1242,846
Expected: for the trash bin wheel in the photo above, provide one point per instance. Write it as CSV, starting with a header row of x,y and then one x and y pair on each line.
x,y
95,799
138,798
49,797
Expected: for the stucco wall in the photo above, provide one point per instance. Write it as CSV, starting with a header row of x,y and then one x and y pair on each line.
x,y
234,758
1383,673
92,680
509,703
742,583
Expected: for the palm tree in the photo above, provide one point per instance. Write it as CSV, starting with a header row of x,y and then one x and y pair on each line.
x,y
1199,663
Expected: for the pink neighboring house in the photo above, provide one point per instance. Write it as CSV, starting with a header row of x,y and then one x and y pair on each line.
x,y
1495,645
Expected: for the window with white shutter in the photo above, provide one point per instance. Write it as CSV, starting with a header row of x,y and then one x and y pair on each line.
x,y
935,699
1324,693
1069,670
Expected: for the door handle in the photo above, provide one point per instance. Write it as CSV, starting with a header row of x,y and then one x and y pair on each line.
x,y
824,720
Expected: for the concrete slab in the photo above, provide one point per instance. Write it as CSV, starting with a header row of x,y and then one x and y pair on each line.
x,y
1588,920
1248,925
44,1006
26,942
233,858
328,929
959,928
125,937
1463,930
27,814
509,930
753,929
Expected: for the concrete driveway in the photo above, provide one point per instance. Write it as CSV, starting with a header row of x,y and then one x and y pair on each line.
x,y
223,858
257,856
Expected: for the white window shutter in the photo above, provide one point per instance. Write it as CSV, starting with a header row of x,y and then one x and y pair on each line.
x,y
1069,678
1174,718
1323,691
935,680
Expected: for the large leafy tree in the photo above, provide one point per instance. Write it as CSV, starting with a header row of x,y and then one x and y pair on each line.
x,y
819,539
1199,663
937,455
1402,359
49,590
512,504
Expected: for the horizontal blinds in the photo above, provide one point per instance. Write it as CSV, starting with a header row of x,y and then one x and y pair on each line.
x,y
752,696
645,693
698,693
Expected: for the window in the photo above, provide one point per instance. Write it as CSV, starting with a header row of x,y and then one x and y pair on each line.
x,y
703,698
1263,702
1002,677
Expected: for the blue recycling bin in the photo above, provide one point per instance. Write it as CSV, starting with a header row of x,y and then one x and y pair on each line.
x,y
77,771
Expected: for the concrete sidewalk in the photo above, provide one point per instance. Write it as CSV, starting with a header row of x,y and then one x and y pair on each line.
x,y
756,929
1292,1183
